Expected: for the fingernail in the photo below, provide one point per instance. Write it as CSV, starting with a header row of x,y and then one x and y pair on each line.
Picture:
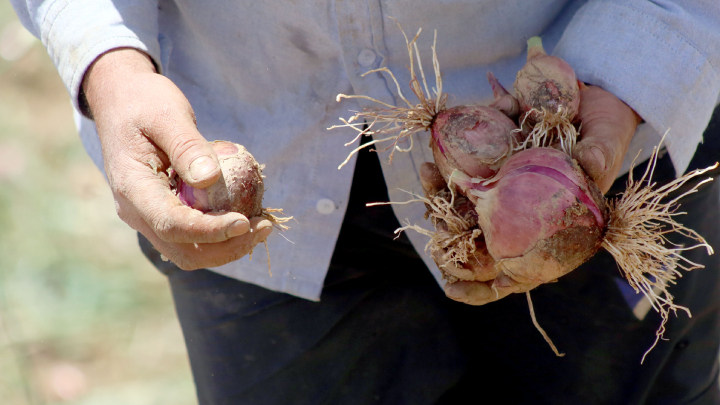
x,y
201,167
593,161
238,228
598,156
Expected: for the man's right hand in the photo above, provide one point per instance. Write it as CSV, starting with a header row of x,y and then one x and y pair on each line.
x,y
478,281
145,125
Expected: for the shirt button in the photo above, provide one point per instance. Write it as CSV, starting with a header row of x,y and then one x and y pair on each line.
x,y
366,57
325,206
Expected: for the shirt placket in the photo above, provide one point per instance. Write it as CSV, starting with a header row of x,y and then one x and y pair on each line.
x,y
360,28
360,25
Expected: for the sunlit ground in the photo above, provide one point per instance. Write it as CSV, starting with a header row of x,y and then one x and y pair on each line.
x,y
84,318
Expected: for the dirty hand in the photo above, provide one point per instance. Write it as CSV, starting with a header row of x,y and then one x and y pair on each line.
x,y
608,126
478,281
146,125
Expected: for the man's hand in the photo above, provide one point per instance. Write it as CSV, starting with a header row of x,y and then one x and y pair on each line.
x,y
145,125
478,281
608,126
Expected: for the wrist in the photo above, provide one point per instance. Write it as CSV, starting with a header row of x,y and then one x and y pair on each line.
x,y
111,69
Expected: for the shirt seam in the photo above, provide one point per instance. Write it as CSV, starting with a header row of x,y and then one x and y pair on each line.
x,y
632,101
653,117
57,16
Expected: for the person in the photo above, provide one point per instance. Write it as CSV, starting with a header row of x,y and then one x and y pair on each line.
x,y
349,315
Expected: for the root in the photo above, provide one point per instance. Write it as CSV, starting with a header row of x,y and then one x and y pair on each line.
x,y
636,238
278,222
405,121
456,242
541,330
551,128
268,256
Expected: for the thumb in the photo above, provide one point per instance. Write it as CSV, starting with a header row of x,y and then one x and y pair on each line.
x,y
190,155
173,129
193,159
608,126
504,101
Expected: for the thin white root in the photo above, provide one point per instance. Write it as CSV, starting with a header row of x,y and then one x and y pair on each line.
x,y
402,121
637,238
268,256
278,222
551,128
454,242
541,330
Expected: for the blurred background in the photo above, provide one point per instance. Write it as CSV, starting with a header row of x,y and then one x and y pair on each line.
x,y
84,318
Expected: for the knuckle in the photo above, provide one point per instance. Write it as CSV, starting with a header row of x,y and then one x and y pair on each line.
x,y
123,208
163,227
181,258
122,212
186,265
120,186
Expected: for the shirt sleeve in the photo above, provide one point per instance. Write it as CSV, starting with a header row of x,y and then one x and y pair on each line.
x,y
76,32
660,57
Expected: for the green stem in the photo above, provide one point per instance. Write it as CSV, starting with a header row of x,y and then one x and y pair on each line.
x,y
535,48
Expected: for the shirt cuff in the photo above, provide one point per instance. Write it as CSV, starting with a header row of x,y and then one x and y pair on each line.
x,y
77,32
630,51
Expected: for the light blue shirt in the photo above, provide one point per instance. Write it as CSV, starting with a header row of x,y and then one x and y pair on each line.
x,y
266,74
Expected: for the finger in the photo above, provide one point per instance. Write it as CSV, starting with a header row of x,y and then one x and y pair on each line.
x,y
504,101
194,256
188,256
142,195
458,272
431,179
503,282
608,126
173,130
497,88
474,292
473,270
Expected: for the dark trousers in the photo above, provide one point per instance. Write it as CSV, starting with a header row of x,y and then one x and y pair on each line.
x,y
384,333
